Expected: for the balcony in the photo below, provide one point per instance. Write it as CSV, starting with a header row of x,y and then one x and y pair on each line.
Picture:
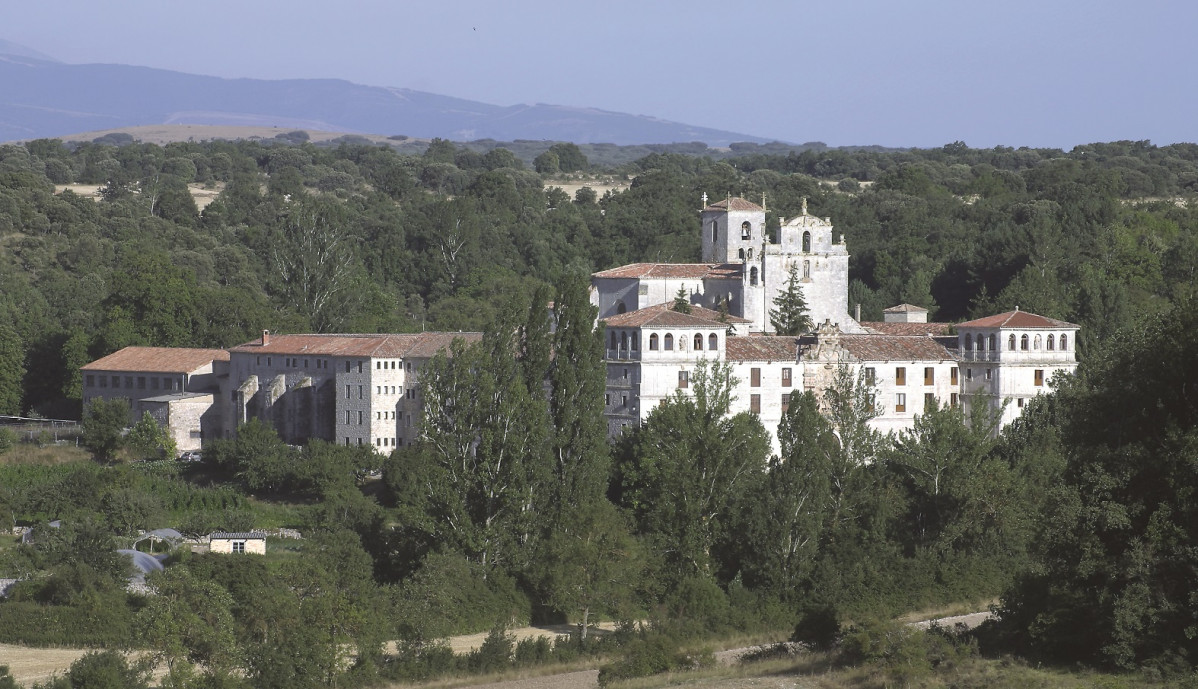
x,y
622,354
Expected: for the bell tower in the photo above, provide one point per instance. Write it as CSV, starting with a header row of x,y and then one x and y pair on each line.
x,y
733,230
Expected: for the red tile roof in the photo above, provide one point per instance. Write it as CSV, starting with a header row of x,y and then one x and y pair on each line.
x,y
157,359
895,348
880,328
762,348
1016,319
694,271
735,203
353,345
664,318
645,316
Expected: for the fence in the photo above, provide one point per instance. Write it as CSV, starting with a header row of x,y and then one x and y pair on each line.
x,y
43,431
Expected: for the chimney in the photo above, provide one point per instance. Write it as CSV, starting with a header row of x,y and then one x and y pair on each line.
x,y
265,337
857,312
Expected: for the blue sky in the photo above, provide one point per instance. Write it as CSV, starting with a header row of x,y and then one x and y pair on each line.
x,y
1013,73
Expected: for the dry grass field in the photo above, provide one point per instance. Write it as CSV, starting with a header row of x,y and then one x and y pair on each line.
x,y
201,194
29,665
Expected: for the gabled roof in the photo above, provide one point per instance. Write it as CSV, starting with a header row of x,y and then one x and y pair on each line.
x,y
895,348
353,345
882,328
762,348
658,318
1016,319
157,359
678,271
735,203
646,316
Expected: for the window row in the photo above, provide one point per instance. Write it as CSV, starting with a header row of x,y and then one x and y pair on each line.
x,y
1022,343
388,389
130,382
386,415
628,342
900,375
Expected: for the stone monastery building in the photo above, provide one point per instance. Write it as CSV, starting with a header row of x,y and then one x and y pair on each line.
x,y
357,389
652,350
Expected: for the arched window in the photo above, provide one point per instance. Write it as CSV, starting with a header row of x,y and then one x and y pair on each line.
x,y
750,254
752,276
621,308
806,269
713,342
993,343
1036,343
624,341
613,340
669,342
1050,343
1064,343
1011,343
698,342
969,342
1023,343
746,230
632,340
741,254
715,231
806,242
653,342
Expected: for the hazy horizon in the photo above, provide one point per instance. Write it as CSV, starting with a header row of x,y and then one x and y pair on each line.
x,y
867,73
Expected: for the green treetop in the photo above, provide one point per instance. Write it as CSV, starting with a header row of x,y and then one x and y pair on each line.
x,y
790,316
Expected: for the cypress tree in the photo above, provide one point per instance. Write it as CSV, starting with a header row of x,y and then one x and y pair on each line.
x,y
790,316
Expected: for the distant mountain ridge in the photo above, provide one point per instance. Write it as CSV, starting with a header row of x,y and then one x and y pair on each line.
x,y
42,98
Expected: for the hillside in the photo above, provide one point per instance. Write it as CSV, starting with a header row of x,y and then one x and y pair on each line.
x,y
44,99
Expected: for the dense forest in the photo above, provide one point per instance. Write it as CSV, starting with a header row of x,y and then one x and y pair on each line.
x,y
514,507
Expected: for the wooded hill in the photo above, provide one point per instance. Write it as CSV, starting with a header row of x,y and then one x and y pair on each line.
x,y
514,506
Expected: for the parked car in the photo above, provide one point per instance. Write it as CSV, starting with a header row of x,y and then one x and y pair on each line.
x,y
190,456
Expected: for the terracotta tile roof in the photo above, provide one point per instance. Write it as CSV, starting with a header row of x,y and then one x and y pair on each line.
x,y
762,348
895,348
1016,319
657,318
157,359
735,203
905,308
880,328
635,319
354,345
660,271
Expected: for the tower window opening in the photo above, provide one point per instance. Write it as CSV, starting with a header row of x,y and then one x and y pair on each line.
x,y
753,276
746,230
806,242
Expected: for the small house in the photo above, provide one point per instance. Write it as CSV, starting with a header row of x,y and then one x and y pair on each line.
x,y
253,542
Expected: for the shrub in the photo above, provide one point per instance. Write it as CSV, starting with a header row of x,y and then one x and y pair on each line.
x,y
495,653
652,655
8,439
818,626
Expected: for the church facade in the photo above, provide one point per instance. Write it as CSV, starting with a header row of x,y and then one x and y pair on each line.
x,y
908,363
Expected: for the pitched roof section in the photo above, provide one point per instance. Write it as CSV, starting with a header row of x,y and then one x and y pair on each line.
x,y
664,318
735,203
905,308
157,359
646,316
895,348
350,345
662,271
881,328
1016,319
762,348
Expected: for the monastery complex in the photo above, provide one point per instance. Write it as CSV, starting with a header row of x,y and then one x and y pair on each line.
x,y
358,389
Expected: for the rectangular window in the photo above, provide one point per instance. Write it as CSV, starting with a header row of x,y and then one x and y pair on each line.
x,y
929,400
116,381
785,402
346,392
305,363
900,375
360,393
607,400
347,367
91,380
929,375
103,381
1020,402
900,402
953,375
347,417
683,379
1039,377
954,400
141,382
239,546
359,367
625,374
360,417
755,377
969,374
989,372
755,404
786,377
623,400
871,376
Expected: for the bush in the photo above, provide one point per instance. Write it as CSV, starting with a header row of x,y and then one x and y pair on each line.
x,y
8,439
495,653
818,627
652,655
